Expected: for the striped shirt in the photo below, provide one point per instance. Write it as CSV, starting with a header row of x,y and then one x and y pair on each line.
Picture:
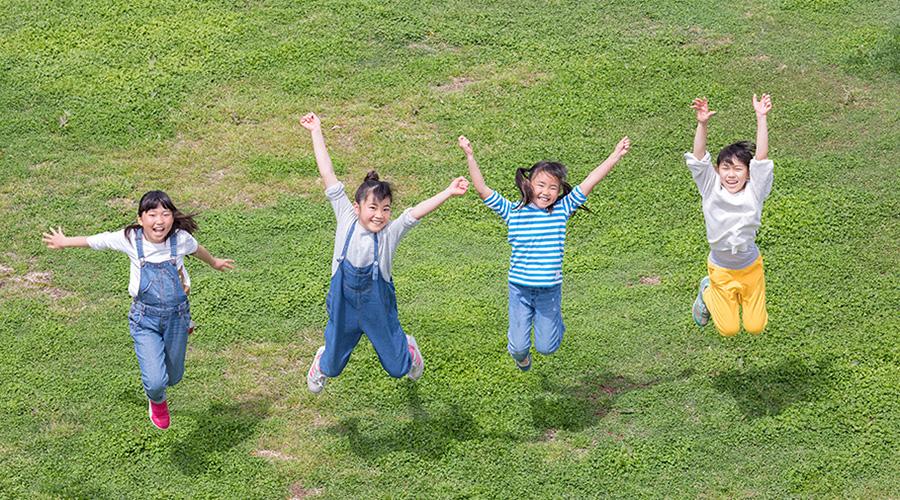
x,y
537,238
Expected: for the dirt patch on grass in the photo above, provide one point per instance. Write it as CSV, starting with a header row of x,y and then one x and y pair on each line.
x,y
620,384
434,48
29,284
298,491
647,280
456,85
273,456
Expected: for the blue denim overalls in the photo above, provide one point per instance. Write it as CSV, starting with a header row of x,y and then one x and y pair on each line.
x,y
358,302
158,321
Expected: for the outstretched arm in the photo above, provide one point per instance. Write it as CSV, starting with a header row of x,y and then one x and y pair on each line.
x,y
56,240
600,172
474,172
217,264
703,114
457,187
326,170
762,108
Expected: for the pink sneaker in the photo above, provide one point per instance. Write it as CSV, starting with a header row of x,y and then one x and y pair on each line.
x,y
159,414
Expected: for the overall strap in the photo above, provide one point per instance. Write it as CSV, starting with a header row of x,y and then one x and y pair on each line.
x,y
173,247
375,262
139,244
347,241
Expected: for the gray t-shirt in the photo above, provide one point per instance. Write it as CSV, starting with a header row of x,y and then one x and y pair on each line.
x,y
362,244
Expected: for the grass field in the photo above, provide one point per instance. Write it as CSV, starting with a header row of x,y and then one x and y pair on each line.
x,y
102,101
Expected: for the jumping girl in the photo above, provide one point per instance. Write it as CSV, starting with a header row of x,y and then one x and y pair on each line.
x,y
537,233
160,315
361,299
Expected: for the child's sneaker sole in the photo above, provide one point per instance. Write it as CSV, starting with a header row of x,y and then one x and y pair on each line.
x,y
525,365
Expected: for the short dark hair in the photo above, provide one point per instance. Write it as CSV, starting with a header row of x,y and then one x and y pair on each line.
x,y
742,150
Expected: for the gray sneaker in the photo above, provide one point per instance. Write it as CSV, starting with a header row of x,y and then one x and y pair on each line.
x,y
418,364
315,379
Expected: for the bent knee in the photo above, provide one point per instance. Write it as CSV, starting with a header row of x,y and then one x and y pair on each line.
x,y
547,349
755,328
156,385
729,330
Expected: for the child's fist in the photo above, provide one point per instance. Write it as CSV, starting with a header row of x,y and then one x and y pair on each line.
x,y
311,122
465,145
459,186
623,146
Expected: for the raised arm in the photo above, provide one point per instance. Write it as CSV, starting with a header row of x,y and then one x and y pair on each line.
x,y
600,172
56,240
326,170
457,187
703,114
217,264
762,108
474,172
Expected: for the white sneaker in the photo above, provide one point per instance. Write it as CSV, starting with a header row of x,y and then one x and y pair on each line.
x,y
315,379
418,365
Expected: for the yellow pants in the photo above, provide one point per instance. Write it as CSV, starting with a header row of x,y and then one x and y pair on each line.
x,y
730,289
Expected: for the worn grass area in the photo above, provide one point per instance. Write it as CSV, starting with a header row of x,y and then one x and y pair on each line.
x,y
105,100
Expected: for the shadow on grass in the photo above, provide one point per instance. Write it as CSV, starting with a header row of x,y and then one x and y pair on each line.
x,y
574,407
218,429
766,391
429,433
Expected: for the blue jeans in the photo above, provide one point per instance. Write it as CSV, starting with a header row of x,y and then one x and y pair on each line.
x,y
539,307
160,342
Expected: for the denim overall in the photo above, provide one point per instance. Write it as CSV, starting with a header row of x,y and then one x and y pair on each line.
x,y
358,302
158,320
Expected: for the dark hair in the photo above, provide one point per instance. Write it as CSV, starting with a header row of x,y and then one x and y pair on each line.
x,y
379,189
153,199
742,150
556,169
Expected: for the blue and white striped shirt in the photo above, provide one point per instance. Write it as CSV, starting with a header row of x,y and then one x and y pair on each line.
x,y
537,238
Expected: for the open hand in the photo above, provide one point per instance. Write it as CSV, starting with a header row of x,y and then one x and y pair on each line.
x,y
54,239
762,106
222,264
702,107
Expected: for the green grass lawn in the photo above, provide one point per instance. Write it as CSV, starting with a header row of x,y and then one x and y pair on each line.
x,y
102,101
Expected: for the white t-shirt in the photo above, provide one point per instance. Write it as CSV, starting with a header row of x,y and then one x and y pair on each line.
x,y
152,252
362,245
732,219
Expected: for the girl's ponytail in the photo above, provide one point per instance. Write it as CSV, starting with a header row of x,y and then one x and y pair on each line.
x,y
523,182
380,189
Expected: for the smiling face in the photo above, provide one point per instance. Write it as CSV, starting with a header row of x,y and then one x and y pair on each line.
x,y
546,189
373,215
156,223
734,175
